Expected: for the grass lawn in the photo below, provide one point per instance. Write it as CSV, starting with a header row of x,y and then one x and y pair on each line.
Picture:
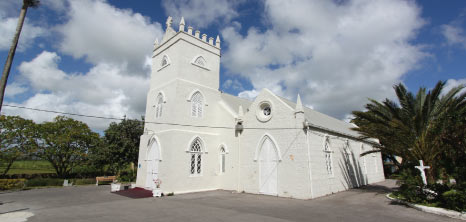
x,y
29,167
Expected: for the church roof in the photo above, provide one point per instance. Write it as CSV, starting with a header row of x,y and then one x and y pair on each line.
x,y
324,121
315,118
234,102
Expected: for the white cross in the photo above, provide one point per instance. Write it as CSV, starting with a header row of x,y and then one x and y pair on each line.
x,y
421,168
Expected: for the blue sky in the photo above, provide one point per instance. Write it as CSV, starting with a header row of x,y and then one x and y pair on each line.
x,y
93,56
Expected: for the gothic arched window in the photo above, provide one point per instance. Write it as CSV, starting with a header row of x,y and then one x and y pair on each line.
x,y
164,61
196,154
197,103
159,106
222,159
328,156
363,159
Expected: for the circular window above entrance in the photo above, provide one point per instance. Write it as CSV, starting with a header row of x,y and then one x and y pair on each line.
x,y
264,111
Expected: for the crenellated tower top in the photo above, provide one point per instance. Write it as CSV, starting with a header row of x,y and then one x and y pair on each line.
x,y
170,32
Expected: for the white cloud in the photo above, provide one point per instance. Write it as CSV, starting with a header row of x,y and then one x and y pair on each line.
x,y
454,35
334,55
28,34
201,13
57,5
232,84
452,83
14,89
248,94
104,91
101,33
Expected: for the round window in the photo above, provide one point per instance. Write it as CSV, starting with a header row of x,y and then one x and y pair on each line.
x,y
264,111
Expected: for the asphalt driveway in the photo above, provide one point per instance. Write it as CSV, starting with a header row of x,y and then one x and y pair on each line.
x,y
91,203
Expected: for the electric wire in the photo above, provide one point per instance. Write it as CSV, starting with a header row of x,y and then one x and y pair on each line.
x,y
149,122
190,125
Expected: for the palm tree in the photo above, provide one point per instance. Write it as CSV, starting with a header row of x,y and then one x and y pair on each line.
x,y
414,127
11,53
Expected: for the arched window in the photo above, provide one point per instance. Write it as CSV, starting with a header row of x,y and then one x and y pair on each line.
x,y
196,154
348,157
159,106
376,165
363,159
328,156
164,61
200,61
222,159
197,103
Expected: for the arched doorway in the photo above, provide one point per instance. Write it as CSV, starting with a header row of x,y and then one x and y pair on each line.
x,y
268,162
152,164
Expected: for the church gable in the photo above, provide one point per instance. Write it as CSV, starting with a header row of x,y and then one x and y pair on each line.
x,y
268,110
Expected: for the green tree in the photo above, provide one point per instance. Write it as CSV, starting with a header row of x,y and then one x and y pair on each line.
x,y
11,53
412,127
16,139
123,141
65,143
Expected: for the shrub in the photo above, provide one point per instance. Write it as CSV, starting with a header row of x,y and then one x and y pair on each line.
x,y
83,181
9,184
454,199
42,182
127,176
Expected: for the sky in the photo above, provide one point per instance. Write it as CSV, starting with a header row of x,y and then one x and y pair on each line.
x,y
93,57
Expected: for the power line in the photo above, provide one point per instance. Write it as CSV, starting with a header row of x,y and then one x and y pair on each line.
x,y
198,126
149,122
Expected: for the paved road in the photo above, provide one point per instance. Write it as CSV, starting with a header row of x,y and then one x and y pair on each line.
x,y
90,203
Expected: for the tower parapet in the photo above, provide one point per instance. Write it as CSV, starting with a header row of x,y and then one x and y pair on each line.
x,y
170,32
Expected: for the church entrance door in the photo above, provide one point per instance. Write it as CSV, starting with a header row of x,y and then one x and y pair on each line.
x,y
152,165
268,162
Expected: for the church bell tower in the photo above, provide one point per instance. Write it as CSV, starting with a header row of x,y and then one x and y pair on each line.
x,y
186,55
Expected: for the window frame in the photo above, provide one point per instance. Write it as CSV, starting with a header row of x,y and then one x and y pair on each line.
x,y
328,155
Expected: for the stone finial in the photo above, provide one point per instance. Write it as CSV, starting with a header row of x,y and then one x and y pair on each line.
x,y
190,30
240,114
211,40
197,33
299,106
204,37
156,43
182,25
217,42
169,22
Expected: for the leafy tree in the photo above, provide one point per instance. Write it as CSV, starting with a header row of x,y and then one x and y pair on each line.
x,y
123,141
414,128
16,139
65,143
11,53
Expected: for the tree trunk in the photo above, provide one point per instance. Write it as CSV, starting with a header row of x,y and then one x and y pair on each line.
x,y
8,167
11,54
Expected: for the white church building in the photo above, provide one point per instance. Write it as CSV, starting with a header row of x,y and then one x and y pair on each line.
x,y
197,138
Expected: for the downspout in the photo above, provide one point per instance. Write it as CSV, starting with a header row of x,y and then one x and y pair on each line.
x,y
239,163
309,161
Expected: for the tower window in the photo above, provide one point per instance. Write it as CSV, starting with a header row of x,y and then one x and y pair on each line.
x,y
197,102
164,61
159,106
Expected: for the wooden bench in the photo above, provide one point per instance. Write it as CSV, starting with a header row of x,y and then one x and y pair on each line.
x,y
104,178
